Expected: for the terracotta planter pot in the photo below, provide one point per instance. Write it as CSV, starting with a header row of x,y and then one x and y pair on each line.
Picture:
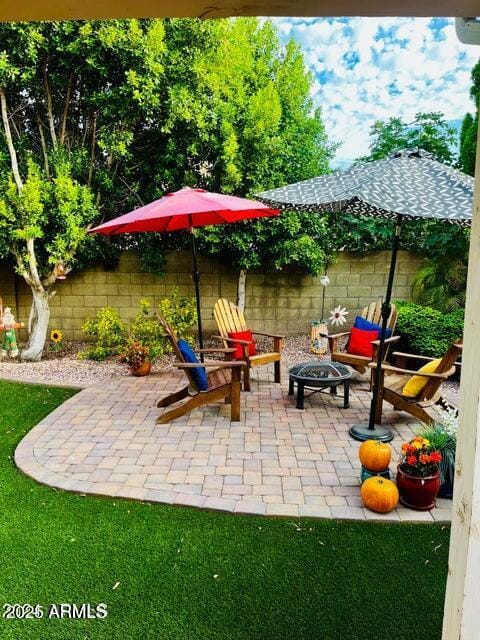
x,y
142,370
417,493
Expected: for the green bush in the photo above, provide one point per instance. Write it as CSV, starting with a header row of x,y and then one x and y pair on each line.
x,y
426,331
146,329
180,312
109,331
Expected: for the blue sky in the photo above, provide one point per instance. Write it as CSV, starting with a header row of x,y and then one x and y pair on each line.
x,y
368,69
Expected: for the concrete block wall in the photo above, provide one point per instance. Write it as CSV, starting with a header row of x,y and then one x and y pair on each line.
x,y
279,302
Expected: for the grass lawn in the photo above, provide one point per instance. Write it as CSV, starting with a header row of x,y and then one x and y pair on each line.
x,y
177,573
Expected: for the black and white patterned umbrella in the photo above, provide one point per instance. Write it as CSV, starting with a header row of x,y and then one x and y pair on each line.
x,y
409,183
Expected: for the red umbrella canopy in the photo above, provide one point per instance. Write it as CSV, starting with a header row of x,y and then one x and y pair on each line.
x,y
185,209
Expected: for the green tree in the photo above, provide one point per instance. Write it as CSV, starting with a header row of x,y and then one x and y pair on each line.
x,y
290,239
129,110
441,283
428,131
251,102
73,97
468,144
468,134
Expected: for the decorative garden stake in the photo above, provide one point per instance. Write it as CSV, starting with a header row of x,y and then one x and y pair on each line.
x,y
8,326
319,330
338,316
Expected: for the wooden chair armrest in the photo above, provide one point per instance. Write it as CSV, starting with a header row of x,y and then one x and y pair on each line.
x,y
220,364
215,350
277,340
387,367
234,340
387,340
267,335
334,336
412,356
415,357
333,340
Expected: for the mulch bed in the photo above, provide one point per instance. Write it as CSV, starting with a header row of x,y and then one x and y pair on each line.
x,y
64,367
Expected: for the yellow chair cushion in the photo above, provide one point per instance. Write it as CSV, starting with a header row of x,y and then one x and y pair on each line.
x,y
416,384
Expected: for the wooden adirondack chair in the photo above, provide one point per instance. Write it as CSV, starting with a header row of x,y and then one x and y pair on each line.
x,y
223,382
230,319
372,313
421,407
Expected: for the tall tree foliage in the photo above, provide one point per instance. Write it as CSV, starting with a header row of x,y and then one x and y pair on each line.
x,y
441,283
428,131
73,97
468,134
100,117
260,130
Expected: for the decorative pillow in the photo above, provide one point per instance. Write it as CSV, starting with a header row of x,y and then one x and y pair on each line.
x,y
198,373
416,384
242,335
360,342
361,323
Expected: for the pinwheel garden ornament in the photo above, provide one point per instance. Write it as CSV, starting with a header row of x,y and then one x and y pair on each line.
x,y
338,316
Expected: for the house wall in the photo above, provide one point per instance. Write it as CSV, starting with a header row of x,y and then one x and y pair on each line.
x,y
279,302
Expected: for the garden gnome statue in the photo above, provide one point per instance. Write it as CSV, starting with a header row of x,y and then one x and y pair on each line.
x,y
9,342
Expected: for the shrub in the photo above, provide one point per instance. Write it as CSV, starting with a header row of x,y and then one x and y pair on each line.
x,y
441,283
180,312
109,331
426,331
147,331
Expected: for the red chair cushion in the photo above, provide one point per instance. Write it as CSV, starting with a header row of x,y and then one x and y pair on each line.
x,y
242,335
360,342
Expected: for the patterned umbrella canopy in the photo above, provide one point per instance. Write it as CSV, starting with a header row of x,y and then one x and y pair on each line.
x,y
409,183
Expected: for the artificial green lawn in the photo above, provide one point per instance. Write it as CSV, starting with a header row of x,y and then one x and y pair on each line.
x,y
184,573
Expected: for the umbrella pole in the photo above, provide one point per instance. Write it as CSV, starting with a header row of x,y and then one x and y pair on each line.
x,y
196,280
372,431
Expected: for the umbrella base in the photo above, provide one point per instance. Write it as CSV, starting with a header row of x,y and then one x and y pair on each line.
x,y
362,432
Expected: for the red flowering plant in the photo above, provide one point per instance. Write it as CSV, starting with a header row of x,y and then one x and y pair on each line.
x,y
134,354
419,458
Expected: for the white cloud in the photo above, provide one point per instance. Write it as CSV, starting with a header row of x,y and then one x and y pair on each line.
x,y
369,69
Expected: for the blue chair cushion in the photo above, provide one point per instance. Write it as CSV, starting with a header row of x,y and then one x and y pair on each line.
x,y
199,374
366,325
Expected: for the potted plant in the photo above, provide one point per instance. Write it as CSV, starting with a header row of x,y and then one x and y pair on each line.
x,y
418,475
443,438
137,357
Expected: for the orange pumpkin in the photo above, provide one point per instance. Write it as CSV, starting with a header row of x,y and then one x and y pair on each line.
x,y
375,455
379,494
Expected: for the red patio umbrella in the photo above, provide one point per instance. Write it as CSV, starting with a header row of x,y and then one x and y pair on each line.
x,y
186,209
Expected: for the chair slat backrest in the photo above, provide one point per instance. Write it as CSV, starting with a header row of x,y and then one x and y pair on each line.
x,y
373,313
229,318
173,339
447,362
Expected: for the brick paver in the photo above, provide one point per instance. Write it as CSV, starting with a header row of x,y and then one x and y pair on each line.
x,y
277,461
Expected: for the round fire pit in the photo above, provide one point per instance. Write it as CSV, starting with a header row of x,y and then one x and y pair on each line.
x,y
317,376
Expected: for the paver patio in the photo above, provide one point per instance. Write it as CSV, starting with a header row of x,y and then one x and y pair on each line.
x,y
276,461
